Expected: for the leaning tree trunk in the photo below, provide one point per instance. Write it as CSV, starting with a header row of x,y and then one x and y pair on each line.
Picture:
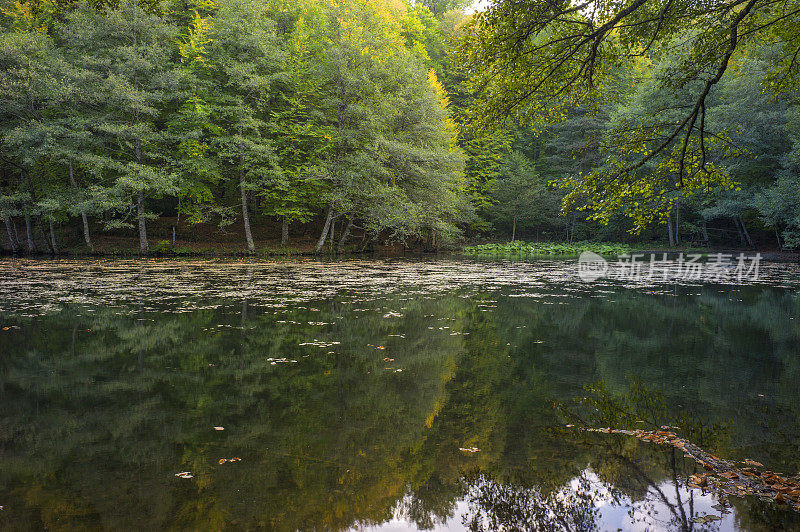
x,y
251,246
345,234
745,233
29,234
738,229
11,237
325,229
53,238
86,236
778,238
284,231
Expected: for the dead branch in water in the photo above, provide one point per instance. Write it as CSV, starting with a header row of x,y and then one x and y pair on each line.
x,y
724,475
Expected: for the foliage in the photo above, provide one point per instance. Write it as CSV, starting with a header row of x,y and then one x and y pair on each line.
x,y
519,247
538,62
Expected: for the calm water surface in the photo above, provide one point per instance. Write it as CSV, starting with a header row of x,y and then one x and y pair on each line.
x,y
387,394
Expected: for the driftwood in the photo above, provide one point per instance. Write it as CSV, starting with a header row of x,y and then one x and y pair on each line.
x,y
723,475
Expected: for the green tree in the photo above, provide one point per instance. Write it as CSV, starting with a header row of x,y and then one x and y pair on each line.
x,y
538,59
129,55
245,59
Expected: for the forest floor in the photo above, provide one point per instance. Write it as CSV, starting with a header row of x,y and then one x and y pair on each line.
x,y
210,240
198,240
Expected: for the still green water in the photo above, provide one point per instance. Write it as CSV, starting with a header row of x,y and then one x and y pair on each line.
x,y
385,394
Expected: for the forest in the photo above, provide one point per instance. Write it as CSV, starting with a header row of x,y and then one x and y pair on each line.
x,y
340,124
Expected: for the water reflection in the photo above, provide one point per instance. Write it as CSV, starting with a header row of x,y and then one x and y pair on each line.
x,y
350,390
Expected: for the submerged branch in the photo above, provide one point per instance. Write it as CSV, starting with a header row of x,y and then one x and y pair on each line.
x,y
724,475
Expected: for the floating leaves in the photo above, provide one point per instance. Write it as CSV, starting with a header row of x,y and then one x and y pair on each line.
x,y
706,518
274,361
226,460
320,343
184,474
218,428
469,449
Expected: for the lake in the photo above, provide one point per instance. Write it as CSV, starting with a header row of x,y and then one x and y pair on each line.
x,y
386,394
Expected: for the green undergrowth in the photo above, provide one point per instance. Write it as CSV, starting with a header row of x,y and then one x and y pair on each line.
x,y
547,248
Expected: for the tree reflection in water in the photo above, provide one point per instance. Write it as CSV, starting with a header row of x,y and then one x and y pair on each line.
x,y
348,405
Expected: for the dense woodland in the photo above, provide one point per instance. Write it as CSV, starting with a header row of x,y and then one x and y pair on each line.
x,y
423,123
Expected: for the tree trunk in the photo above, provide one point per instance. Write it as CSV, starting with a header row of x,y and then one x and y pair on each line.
x,y
345,235
29,231
514,228
677,224
744,231
251,246
572,229
16,233
284,231
53,238
38,218
367,241
45,240
144,247
671,231
177,223
705,231
738,229
325,229
11,237
778,238
86,235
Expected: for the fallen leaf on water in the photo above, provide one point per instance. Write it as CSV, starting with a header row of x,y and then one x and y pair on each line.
x,y
707,518
753,463
219,428
184,474
698,480
381,347
469,449
234,459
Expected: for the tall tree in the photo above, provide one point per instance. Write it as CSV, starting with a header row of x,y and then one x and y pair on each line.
x,y
245,59
129,54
